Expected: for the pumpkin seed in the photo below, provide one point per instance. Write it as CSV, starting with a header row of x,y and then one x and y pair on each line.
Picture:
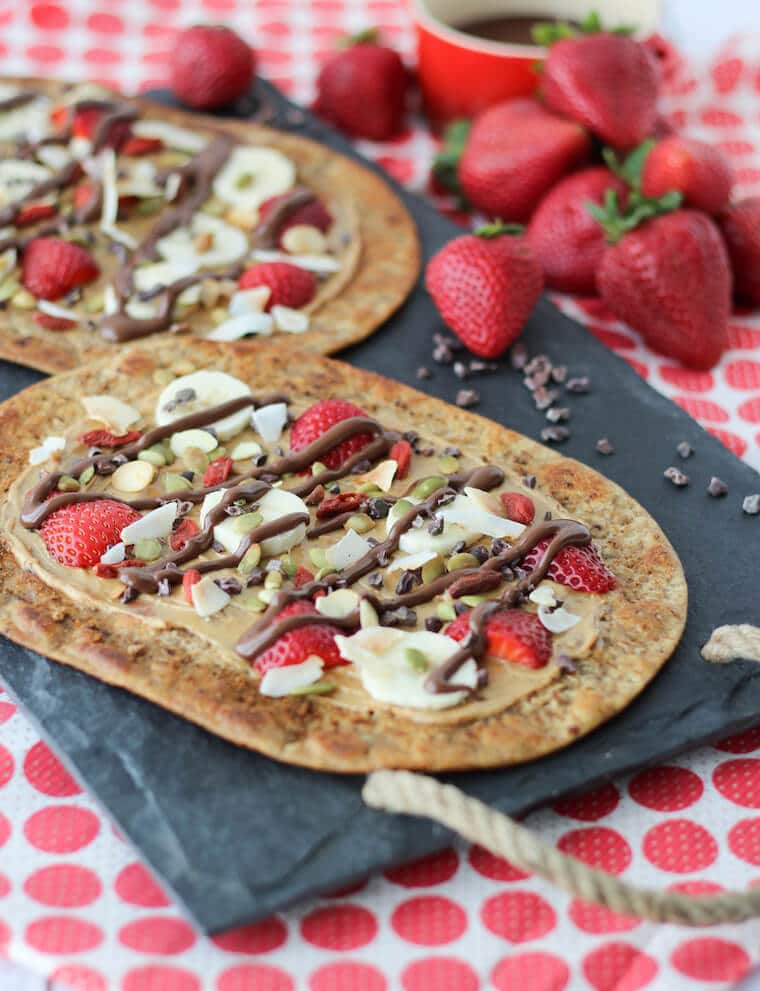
x,y
359,522
195,459
318,557
173,482
288,565
267,594
402,507
250,559
67,484
428,486
473,600
153,456
432,569
324,572
448,464
273,580
445,611
370,488
251,602
8,288
148,549
317,468
149,206
463,560
246,523
315,688
87,476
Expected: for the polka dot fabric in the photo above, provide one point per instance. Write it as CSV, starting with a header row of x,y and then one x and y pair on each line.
x,y
77,905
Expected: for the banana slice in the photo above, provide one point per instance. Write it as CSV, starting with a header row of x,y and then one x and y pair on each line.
x,y
18,178
253,175
202,390
208,243
276,503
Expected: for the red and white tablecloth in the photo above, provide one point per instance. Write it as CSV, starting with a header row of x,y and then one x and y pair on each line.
x,y
75,901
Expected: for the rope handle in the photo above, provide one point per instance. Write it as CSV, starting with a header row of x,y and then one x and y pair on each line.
x,y
419,794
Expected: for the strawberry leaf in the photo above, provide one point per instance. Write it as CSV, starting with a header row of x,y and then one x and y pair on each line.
x,y
446,162
618,222
547,32
629,168
369,36
497,229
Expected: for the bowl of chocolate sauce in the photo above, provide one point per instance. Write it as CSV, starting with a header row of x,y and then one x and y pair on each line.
x,y
474,53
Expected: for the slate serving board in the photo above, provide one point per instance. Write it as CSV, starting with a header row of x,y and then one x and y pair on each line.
x,y
237,836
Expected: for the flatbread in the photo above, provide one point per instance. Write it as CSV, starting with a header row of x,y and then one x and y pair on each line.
x,y
380,259
636,626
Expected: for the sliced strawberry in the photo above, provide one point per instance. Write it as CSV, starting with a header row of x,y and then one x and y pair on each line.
x,y
579,568
49,322
112,570
33,213
217,472
519,507
51,267
318,419
86,123
104,438
341,503
289,285
141,146
83,195
296,645
401,453
313,214
79,534
512,635
186,530
302,577
190,578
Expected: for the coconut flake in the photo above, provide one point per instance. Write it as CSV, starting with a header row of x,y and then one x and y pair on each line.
x,y
382,475
156,523
120,236
278,682
410,562
208,598
210,501
62,312
557,620
349,549
337,604
543,595
247,301
172,187
39,455
110,209
269,421
117,415
172,136
115,554
320,264
244,450
204,440
237,327
290,321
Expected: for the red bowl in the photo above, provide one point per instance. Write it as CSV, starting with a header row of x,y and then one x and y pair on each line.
x,y
461,74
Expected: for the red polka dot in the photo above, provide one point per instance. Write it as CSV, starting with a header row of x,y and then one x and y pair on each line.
x,y
63,886
612,338
49,16
256,937
5,830
5,886
750,410
497,868
45,53
720,117
6,766
427,871
744,841
7,709
156,978
666,789
61,828
101,56
741,743
743,337
158,935
105,23
594,307
429,920
696,887
136,885
253,977
339,927
726,74
346,976
711,959
732,441
743,374
618,967
687,378
532,971
638,366
62,934
518,916
739,781
596,919
5,938
748,174
437,974
702,409
679,845
589,807
79,978
46,773
598,847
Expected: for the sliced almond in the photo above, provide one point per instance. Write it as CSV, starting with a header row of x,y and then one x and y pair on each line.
x,y
134,476
208,598
304,239
115,414
367,614
486,501
338,603
382,475
290,321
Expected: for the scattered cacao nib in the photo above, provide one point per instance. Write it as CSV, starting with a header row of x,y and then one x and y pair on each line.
x,y
433,624
234,510
315,496
467,397
460,369
334,489
543,398
260,460
555,434
508,573
164,588
547,515
579,385
559,374
425,452
558,414
418,522
435,526
458,547
373,541
184,506
451,452
446,340
751,504
378,509
498,546
529,481
229,585
676,476
442,355
684,449
566,663
189,475
182,396
447,497
717,487
279,450
219,548
518,356
399,617
411,437
383,559
459,608
604,446
256,577
407,581
179,327
274,564
539,368
361,467
477,366
375,579
423,372
128,595
480,553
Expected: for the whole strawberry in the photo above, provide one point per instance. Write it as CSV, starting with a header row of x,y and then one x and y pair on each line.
x,y
513,635
607,82
362,89
566,240
79,534
485,285
670,279
52,267
210,66
514,153
318,419
579,568
740,225
695,169
296,645
289,285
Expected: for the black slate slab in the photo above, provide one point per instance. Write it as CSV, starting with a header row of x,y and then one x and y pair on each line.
x,y
237,836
